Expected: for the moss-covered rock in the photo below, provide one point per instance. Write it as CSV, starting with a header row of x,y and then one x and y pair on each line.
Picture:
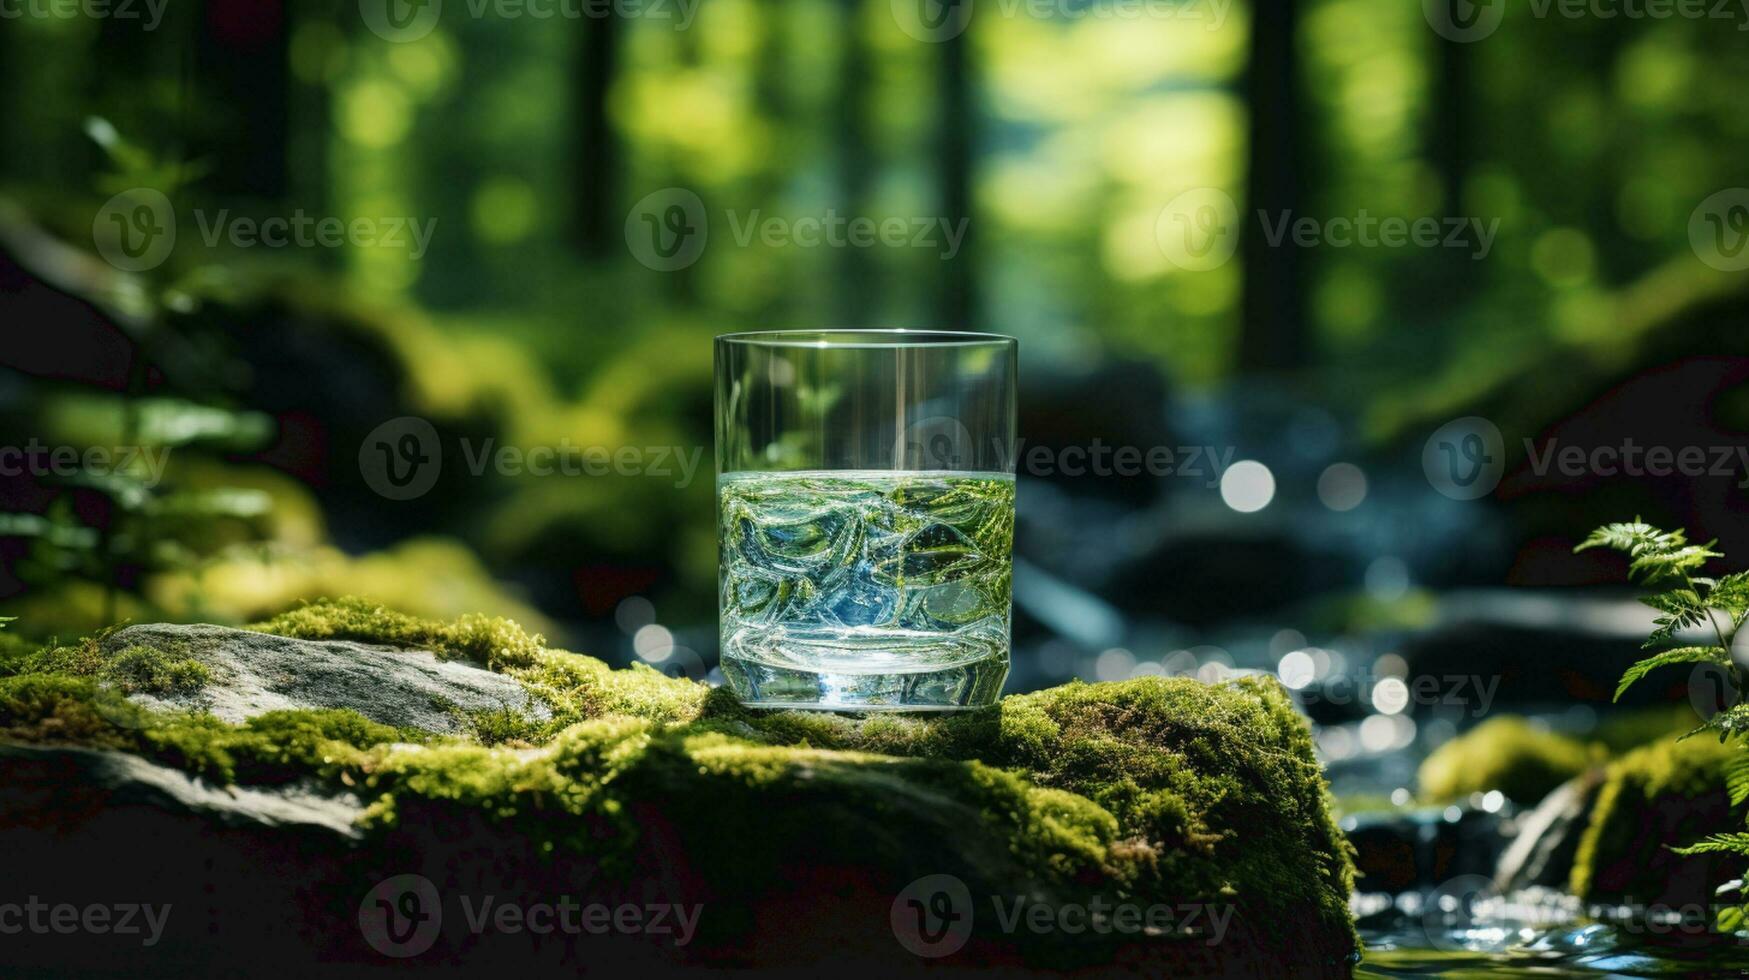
x,y
1150,792
1509,754
1663,795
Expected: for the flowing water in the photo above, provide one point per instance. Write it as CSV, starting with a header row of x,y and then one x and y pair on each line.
x,y
865,589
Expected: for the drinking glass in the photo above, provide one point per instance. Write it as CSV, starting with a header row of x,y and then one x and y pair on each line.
x,y
865,492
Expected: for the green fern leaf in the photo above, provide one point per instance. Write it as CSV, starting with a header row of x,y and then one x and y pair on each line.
x,y
1652,565
1737,779
1631,537
1731,593
1718,843
1680,655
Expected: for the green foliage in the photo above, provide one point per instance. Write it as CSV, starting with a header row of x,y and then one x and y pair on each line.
x,y
1666,558
1687,599
1680,655
1507,753
1729,843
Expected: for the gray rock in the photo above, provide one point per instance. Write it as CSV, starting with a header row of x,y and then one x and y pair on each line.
x,y
255,673
1548,837
39,778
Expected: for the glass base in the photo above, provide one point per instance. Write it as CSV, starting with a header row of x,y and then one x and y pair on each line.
x,y
957,688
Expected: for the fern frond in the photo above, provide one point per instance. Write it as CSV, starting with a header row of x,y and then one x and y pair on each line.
x,y
1731,721
1682,608
1680,655
1632,537
1718,843
1737,779
1652,565
1731,593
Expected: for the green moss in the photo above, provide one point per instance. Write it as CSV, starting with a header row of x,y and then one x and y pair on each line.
x,y
1214,789
57,709
1507,753
579,687
153,671
492,641
1663,795
1151,790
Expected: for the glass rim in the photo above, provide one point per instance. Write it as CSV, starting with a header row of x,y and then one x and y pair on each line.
x,y
846,337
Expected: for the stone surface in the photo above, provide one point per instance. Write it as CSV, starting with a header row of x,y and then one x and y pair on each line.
x,y
1548,837
803,842
254,673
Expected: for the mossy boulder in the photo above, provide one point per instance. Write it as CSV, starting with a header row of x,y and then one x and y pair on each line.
x,y
1660,796
1509,754
799,836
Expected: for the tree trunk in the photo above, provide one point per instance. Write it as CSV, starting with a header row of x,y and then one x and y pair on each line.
x,y
958,305
1273,326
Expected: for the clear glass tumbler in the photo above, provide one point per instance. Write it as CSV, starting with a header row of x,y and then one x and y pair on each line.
x,y
865,490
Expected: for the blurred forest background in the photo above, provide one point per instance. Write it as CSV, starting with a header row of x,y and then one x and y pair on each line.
x,y
1057,133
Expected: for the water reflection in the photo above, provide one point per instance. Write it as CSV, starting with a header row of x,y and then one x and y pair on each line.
x,y
1465,928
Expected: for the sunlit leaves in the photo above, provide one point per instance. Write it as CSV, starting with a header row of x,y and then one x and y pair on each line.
x,y
1680,655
